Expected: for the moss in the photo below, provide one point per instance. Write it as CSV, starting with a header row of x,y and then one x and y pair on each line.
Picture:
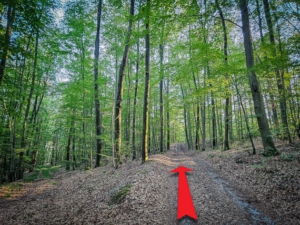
x,y
120,196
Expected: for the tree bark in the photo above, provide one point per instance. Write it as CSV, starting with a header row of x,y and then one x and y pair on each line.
x,y
11,12
269,147
135,101
96,87
161,99
147,90
226,140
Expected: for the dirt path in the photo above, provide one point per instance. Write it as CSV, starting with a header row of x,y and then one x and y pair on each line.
x,y
85,197
215,200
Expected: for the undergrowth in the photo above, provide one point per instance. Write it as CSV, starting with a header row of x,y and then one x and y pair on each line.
x,y
120,196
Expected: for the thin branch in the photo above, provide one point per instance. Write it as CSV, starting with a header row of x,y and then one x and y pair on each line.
x,y
229,21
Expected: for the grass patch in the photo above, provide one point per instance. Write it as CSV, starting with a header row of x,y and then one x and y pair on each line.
x,y
257,166
120,196
287,157
211,155
45,172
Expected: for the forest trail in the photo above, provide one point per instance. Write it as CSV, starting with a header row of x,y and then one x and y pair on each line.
x,y
87,197
214,199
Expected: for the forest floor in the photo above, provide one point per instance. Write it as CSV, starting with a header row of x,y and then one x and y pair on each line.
x,y
227,187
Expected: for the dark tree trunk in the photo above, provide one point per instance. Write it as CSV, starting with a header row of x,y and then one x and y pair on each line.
x,y
135,102
269,147
259,21
185,120
227,101
68,149
161,99
147,90
11,12
168,114
96,87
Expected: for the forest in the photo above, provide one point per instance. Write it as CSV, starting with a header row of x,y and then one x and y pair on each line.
x,y
91,84
110,109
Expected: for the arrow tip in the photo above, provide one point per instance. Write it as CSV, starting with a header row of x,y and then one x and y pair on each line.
x,y
181,169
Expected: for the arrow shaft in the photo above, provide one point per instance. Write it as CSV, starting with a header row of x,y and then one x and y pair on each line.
x,y
185,201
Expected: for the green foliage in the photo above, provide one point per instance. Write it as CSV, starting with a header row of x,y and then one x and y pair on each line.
x,y
288,157
211,156
42,172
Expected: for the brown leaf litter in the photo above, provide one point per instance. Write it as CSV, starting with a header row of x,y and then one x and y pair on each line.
x,y
269,185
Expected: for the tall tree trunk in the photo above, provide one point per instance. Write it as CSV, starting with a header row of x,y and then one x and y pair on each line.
x,y
279,78
147,90
119,97
68,149
135,101
11,12
259,21
168,114
161,98
226,140
96,87
185,120
269,147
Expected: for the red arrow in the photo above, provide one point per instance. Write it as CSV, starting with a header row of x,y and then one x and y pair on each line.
x,y
185,201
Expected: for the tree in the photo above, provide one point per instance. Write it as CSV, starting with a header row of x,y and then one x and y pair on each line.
x,y
96,87
145,132
269,147
11,13
226,140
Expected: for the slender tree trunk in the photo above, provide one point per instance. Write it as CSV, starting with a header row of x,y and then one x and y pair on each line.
x,y
185,119
245,117
147,90
168,114
11,12
96,87
119,97
269,147
226,140
68,149
259,21
161,99
73,147
135,101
